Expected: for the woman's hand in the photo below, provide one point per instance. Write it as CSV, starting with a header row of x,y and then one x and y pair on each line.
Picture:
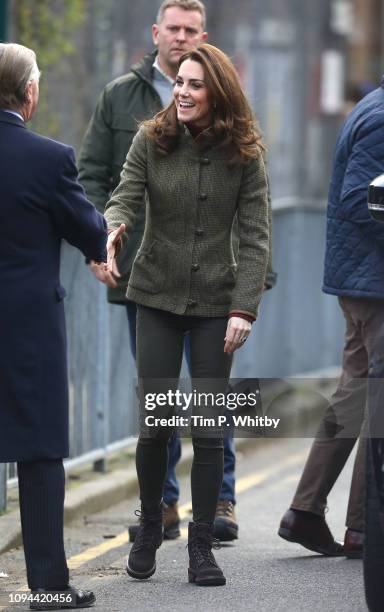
x,y
114,239
238,330
99,270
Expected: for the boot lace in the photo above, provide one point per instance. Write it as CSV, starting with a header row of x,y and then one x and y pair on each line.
x,y
147,535
201,547
224,509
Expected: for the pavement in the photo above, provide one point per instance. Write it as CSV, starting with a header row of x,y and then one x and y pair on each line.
x,y
88,492
264,573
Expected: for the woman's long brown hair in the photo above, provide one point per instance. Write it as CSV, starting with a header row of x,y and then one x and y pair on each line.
x,y
233,128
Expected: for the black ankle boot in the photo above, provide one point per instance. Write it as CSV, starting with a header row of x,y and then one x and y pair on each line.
x,y
203,569
141,562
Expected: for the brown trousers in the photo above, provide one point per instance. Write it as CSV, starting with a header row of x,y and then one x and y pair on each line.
x,y
364,319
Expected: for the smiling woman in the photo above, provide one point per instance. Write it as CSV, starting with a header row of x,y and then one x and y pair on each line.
x,y
208,94
200,162
191,95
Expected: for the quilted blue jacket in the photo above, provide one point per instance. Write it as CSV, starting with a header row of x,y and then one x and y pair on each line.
x,y
354,259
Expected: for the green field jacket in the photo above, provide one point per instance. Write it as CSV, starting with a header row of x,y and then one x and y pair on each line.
x,y
186,263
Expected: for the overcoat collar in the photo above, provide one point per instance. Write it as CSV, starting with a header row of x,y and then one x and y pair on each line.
x,y
10,118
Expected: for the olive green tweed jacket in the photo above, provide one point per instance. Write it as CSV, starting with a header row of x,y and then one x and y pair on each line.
x,y
185,263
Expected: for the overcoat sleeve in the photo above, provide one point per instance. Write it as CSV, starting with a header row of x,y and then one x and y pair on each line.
x,y
129,195
75,218
253,225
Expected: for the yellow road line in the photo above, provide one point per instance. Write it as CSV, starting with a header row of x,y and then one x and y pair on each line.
x,y
91,553
119,540
253,482
185,510
97,551
242,484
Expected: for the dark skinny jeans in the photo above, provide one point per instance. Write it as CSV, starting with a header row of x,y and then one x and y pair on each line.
x,y
160,342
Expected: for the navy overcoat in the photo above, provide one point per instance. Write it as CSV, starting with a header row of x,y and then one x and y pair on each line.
x,y
41,203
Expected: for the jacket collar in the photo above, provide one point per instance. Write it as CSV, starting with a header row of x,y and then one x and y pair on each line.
x,y
11,118
144,68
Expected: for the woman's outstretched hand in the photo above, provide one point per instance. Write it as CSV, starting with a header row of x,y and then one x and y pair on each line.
x,y
99,271
238,330
108,272
114,240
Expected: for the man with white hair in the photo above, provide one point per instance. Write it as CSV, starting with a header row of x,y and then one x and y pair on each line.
x,y
41,203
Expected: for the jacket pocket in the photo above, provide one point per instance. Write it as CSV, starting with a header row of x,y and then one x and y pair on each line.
x,y
150,268
218,282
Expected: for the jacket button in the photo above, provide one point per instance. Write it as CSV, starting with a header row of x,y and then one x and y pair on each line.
x,y
192,303
205,161
195,267
199,232
203,196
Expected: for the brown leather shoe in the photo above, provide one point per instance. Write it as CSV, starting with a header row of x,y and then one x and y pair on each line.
x,y
353,544
225,527
311,531
171,521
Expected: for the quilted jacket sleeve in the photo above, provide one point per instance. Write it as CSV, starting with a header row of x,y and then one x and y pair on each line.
x,y
365,162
